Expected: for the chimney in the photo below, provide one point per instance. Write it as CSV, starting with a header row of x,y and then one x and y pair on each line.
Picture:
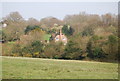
x,y
60,32
60,36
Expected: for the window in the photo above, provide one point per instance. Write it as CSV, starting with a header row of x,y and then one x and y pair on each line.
x,y
63,39
56,38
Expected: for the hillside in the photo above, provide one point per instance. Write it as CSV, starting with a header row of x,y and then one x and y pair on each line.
x,y
37,68
84,36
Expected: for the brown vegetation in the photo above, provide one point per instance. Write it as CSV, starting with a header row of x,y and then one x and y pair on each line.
x,y
91,37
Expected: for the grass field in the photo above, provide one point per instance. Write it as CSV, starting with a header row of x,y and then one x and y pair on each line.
x,y
32,68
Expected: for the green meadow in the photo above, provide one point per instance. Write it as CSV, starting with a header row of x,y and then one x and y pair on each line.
x,y
38,68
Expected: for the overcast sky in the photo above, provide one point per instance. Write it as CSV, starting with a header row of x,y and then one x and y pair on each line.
x,y
59,10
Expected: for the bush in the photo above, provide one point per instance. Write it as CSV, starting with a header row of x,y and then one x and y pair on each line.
x,y
30,28
112,39
7,49
94,49
112,47
67,30
72,51
35,48
88,31
98,52
54,50
17,50
32,50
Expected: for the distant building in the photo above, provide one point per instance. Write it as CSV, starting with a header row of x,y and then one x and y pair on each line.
x,y
4,25
2,41
61,37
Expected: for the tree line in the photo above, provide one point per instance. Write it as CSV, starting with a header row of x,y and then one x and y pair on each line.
x,y
90,37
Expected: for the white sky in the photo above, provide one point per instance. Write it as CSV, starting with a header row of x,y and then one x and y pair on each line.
x,y
40,10
59,0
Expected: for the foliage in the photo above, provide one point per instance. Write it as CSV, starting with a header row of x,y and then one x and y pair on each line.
x,y
7,49
13,31
2,35
34,35
88,31
17,50
67,30
72,51
88,36
94,48
14,17
33,50
54,51
112,46
49,22
30,28
112,39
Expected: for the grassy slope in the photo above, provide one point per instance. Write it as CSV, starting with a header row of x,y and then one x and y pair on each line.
x,y
30,68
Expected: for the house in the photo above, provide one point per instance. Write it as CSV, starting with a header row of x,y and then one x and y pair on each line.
x,y
2,41
3,23
61,37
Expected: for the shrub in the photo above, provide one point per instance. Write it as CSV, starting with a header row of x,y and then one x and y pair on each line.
x,y
94,49
54,50
32,50
112,39
30,28
35,48
112,47
7,49
88,31
67,30
72,51
27,55
17,50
